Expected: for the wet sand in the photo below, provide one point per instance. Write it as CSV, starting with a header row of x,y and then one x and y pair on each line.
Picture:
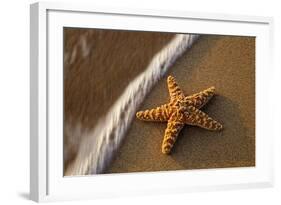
x,y
98,66
228,63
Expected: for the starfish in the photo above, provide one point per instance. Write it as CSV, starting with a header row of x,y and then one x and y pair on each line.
x,y
179,111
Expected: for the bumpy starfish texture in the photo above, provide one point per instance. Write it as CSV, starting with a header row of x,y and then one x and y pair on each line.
x,y
179,111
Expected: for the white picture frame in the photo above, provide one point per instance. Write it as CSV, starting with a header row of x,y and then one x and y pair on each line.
x,y
46,178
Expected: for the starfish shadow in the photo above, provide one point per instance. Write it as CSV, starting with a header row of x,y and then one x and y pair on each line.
x,y
197,148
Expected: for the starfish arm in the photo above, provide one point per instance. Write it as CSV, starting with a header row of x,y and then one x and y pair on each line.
x,y
171,134
174,89
198,118
160,114
198,100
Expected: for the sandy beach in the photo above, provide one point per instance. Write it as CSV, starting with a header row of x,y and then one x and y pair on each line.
x,y
96,77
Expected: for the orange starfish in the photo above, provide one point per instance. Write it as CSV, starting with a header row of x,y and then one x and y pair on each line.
x,y
179,111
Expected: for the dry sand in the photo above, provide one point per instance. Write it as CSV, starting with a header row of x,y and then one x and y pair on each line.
x,y
228,63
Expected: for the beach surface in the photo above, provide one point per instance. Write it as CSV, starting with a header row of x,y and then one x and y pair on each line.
x,y
226,62
98,66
